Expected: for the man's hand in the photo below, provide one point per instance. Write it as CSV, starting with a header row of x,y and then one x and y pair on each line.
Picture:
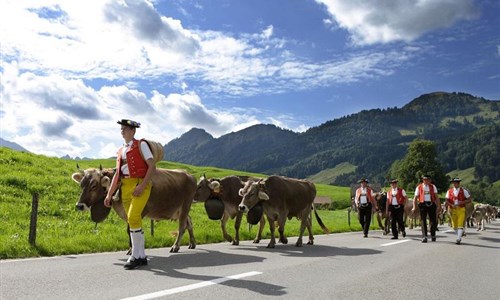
x,y
107,201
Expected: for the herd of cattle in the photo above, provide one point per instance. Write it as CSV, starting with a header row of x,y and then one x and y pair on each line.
x,y
277,198
173,192
479,214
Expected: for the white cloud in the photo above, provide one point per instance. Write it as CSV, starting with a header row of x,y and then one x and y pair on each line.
x,y
45,115
383,21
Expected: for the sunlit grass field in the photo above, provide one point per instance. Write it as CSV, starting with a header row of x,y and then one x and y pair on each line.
x,y
63,230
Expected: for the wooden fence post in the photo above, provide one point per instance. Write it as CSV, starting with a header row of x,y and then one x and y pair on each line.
x,y
34,217
152,227
349,216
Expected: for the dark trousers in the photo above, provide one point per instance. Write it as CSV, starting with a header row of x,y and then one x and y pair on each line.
x,y
428,210
397,221
365,217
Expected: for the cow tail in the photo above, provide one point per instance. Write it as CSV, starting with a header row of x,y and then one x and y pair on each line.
x,y
320,222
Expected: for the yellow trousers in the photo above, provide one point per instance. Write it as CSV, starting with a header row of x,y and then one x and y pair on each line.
x,y
457,217
134,205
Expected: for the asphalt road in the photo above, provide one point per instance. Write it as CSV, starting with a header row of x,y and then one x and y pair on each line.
x,y
338,266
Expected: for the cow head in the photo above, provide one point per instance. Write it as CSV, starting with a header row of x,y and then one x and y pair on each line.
x,y
206,188
252,193
95,184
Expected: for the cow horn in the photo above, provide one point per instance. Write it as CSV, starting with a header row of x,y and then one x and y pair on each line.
x,y
240,192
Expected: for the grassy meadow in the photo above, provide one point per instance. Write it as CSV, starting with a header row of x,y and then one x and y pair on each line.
x,y
62,230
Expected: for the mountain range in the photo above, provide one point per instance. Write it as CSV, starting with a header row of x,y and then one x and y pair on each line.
x,y
11,145
363,144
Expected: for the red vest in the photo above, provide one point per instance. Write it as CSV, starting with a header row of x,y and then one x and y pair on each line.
x,y
399,196
137,166
460,197
421,193
368,194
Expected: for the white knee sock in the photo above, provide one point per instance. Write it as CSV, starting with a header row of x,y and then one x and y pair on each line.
x,y
460,231
137,237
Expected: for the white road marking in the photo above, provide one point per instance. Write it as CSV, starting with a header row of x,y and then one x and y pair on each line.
x,y
191,286
395,243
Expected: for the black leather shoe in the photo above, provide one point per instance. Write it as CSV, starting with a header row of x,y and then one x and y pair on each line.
x,y
394,238
433,239
404,233
424,240
365,236
134,263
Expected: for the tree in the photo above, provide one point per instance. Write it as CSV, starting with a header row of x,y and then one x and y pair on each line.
x,y
420,159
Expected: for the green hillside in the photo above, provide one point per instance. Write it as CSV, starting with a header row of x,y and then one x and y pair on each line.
x,y
63,230
329,175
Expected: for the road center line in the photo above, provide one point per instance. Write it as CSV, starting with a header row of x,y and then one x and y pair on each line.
x,y
395,243
191,286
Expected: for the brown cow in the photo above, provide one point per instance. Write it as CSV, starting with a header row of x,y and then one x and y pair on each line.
x,y
480,216
171,198
413,216
283,198
226,189
383,217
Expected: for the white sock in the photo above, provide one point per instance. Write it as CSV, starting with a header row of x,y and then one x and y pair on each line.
x,y
137,237
460,231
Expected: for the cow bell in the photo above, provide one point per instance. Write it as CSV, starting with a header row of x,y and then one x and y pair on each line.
x,y
255,214
214,208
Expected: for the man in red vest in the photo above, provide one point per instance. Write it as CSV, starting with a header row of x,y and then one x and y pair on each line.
x,y
426,195
456,199
365,202
134,168
395,204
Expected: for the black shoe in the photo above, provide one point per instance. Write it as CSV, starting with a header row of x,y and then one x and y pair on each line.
x,y
365,235
458,242
424,240
134,263
394,238
404,233
433,239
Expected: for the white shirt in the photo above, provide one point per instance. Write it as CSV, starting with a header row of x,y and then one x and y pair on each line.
x,y
392,195
362,197
427,193
146,153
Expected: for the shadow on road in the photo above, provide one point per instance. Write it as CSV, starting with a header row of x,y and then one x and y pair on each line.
x,y
170,266
312,250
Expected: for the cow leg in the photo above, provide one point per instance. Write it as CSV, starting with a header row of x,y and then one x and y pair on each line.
x,y
192,241
223,222
281,228
272,227
309,229
258,237
303,224
237,224
379,221
183,223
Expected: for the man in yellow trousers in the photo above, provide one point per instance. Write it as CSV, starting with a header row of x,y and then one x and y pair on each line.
x,y
456,198
134,168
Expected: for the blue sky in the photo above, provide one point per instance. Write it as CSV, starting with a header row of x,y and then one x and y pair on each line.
x,y
70,69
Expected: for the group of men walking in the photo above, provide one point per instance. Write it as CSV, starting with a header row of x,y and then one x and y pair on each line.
x,y
425,199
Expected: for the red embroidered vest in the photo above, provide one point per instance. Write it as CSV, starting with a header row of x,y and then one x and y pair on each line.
x,y
368,194
137,167
421,195
399,196
460,197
